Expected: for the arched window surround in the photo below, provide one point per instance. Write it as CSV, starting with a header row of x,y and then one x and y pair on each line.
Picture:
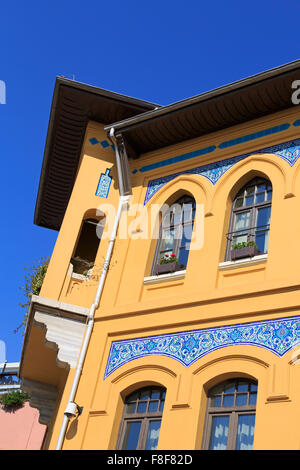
x,y
230,415
141,419
249,223
175,233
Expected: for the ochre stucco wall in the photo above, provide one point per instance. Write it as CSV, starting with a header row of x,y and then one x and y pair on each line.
x,y
206,297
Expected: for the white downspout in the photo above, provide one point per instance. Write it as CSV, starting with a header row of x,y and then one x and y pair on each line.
x,y
123,202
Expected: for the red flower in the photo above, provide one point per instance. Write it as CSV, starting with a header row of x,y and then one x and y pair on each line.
x,y
174,256
166,255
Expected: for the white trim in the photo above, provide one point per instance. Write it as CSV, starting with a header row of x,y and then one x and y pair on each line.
x,y
243,262
165,277
9,366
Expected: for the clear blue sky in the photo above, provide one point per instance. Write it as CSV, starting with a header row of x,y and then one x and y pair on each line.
x,y
161,51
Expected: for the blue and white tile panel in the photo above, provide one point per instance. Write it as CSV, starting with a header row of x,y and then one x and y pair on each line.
x,y
278,336
289,151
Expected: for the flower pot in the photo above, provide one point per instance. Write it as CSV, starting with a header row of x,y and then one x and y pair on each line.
x,y
244,252
80,266
165,268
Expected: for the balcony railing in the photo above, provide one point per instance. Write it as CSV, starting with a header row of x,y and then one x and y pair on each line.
x,y
256,237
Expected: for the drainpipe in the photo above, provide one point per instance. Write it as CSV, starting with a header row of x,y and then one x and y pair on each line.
x,y
72,408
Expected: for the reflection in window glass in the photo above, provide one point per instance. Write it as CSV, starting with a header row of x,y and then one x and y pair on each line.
x,y
231,415
219,433
152,436
141,419
250,220
132,435
245,434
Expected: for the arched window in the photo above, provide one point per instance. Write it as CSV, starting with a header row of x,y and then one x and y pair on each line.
x,y
230,417
87,245
141,419
249,226
175,234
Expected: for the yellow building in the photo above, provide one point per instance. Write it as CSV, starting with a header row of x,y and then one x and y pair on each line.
x,y
125,349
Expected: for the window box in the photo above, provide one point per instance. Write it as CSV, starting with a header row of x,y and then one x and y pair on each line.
x,y
245,252
166,268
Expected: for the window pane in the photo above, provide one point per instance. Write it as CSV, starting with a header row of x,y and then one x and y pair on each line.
x,y
253,387
142,406
155,394
229,387
145,395
228,400
263,216
162,404
186,235
168,240
219,433
130,407
183,257
252,399
260,197
152,436
216,402
249,199
241,399
245,435
217,389
241,221
262,240
238,202
269,195
187,212
242,387
132,397
132,433
153,406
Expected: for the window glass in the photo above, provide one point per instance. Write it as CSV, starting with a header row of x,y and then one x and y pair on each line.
x,y
250,220
219,433
141,419
175,236
231,415
132,435
245,434
152,436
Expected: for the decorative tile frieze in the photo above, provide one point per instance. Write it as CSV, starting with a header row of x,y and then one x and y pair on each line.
x,y
278,336
288,151
104,184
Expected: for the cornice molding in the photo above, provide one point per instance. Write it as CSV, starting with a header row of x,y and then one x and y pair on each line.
x,y
64,326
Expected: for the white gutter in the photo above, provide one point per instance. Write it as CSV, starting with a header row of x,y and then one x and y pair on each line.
x,y
71,407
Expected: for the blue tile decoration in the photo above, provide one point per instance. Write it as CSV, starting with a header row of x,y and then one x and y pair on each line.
x,y
179,158
104,143
254,135
229,143
289,151
278,336
104,184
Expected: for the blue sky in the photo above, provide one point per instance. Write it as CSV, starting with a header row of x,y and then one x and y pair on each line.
x,y
161,51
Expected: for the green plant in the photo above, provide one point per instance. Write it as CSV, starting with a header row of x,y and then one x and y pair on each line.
x,y
33,284
236,246
168,259
14,398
